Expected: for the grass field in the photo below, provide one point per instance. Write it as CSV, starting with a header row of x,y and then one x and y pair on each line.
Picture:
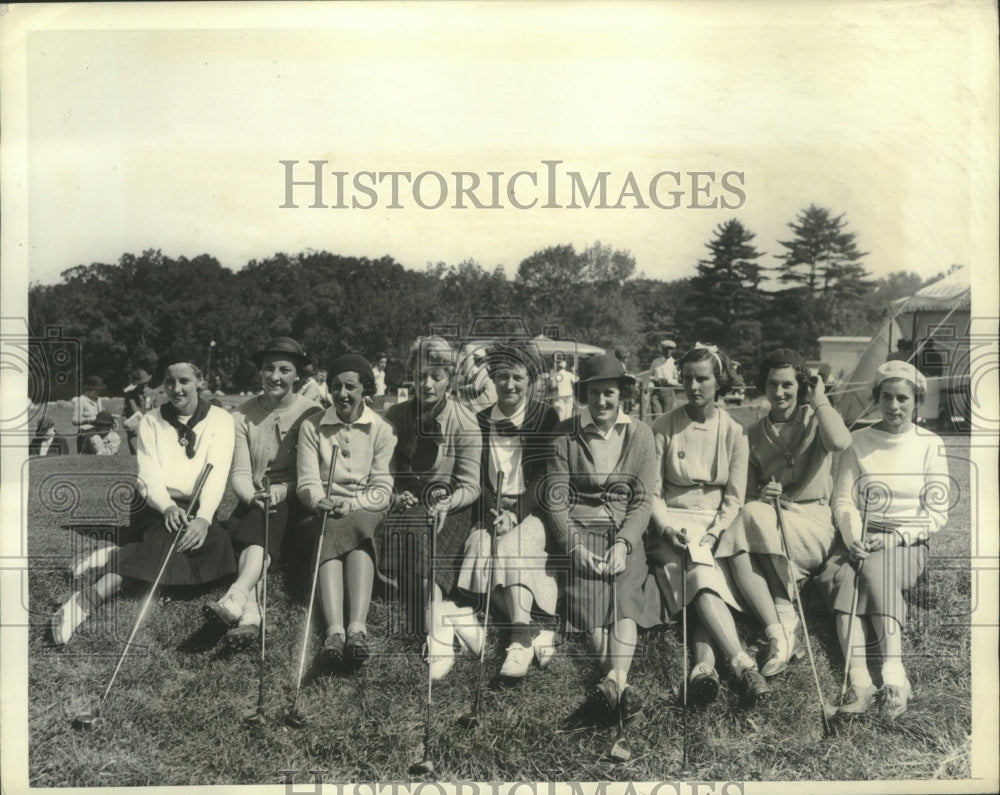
x,y
174,716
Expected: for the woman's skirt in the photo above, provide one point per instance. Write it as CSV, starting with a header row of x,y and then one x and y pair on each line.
x,y
521,559
355,530
885,575
405,557
141,556
588,597
665,600
246,527
808,527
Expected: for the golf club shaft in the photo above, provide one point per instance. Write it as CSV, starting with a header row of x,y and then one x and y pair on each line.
x,y
684,654
266,488
198,486
849,652
315,578
799,609
436,523
489,592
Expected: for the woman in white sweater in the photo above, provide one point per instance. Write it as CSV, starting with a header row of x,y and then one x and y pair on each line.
x,y
175,444
898,474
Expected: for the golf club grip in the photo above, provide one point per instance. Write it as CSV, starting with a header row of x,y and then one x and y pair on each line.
x,y
198,486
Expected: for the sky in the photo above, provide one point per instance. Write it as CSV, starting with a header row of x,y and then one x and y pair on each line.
x,y
148,130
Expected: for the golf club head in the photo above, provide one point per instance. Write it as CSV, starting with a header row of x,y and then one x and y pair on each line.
x,y
425,767
255,718
87,721
293,718
620,752
470,720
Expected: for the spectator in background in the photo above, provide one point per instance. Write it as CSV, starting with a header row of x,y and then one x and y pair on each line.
x,y
86,407
46,441
381,387
931,362
562,382
903,352
139,398
663,376
104,440
622,354
308,387
324,390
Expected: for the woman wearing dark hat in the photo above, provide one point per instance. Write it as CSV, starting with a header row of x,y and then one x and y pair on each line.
x,y
175,444
701,474
516,434
791,452
103,439
436,468
46,441
86,408
597,498
897,474
267,434
139,398
359,498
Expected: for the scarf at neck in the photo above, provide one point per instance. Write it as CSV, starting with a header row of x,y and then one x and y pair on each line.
x,y
186,436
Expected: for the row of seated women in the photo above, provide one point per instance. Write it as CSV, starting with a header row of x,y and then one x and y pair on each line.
x,y
598,524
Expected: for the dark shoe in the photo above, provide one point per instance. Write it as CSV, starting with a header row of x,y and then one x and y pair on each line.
x,y
598,708
242,637
754,687
357,650
857,700
630,705
704,685
332,653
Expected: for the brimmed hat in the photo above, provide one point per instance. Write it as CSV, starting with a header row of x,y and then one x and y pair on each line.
x,y
668,344
142,376
602,367
898,369
104,420
94,382
284,346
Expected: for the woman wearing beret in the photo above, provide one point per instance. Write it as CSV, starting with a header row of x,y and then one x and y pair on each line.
x,y
267,434
175,444
897,475
436,467
791,453
357,503
701,462
516,434
598,503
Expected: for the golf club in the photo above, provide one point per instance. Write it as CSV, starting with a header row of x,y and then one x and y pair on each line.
x,y
854,599
826,710
425,766
292,716
265,487
684,657
470,720
620,751
89,720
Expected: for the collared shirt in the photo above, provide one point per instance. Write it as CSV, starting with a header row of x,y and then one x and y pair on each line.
x,y
505,452
664,369
380,386
361,475
606,446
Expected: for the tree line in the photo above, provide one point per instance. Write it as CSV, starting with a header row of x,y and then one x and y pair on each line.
x,y
126,313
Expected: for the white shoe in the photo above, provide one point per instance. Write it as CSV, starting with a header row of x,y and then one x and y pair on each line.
x,y
544,646
515,666
95,559
440,642
467,627
73,612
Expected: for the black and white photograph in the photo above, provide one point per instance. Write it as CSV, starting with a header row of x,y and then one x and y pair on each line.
x,y
516,397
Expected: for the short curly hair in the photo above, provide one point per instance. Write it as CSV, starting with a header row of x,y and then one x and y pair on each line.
x,y
723,367
783,357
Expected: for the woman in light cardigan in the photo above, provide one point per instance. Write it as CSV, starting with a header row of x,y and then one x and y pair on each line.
x,y
701,458
175,444
267,434
899,474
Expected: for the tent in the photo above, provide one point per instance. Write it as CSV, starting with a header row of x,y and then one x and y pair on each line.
x,y
936,320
